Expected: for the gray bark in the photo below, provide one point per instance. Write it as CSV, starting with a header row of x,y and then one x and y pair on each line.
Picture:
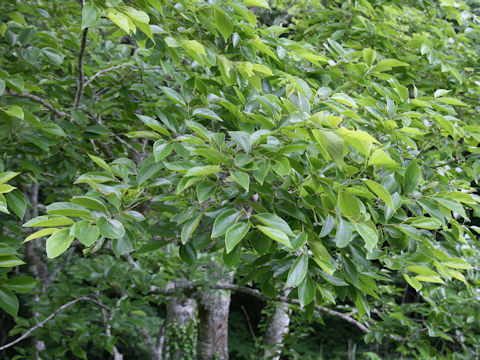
x,y
213,310
179,325
276,329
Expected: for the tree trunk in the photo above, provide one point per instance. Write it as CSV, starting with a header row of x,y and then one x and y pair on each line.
x,y
213,310
179,341
276,329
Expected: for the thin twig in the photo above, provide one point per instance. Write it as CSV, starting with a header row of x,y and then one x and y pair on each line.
x,y
49,317
248,322
103,72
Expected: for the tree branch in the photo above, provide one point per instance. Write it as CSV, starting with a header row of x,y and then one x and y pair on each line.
x,y
48,318
177,285
81,54
88,82
38,99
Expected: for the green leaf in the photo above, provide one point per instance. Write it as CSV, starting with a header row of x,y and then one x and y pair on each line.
x,y
343,236
16,202
223,22
195,46
368,232
8,301
48,221
89,203
345,99
58,243
122,246
90,15
369,56
235,234
306,291
100,162
379,158
298,271
2,87
380,191
332,143
349,204
85,232
5,188
15,111
6,176
259,3
241,138
173,95
161,149
21,284
203,170
275,222
206,113
224,221
413,282
275,234
242,178
204,190
427,223
67,209
111,228
9,261
188,253
412,177
40,233
189,227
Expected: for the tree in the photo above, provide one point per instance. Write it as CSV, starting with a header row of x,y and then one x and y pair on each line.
x,y
330,165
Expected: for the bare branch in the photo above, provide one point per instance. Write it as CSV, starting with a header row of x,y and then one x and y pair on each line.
x,y
48,318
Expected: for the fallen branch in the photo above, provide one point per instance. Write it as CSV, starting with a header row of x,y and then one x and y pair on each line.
x,y
48,318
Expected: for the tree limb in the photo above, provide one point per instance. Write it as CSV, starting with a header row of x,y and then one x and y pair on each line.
x,y
81,54
177,285
48,318
38,99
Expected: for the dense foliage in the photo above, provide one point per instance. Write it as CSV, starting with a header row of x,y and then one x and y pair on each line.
x,y
158,154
